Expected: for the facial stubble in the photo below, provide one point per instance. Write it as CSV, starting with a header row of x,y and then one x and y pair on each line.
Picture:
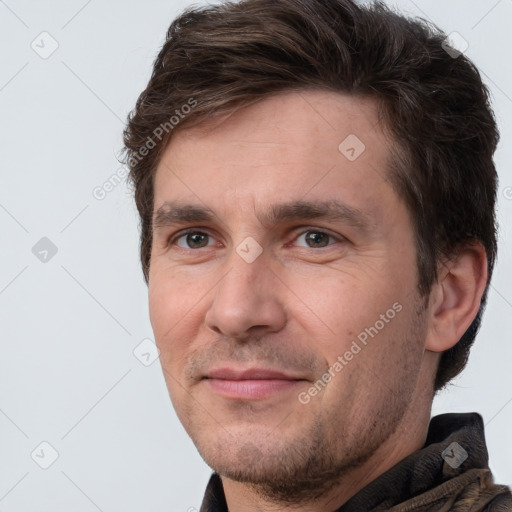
x,y
318,458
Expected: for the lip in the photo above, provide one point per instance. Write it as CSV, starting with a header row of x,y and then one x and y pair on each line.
x,y
250,374
250,384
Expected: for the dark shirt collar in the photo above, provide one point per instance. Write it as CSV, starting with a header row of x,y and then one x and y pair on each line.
x,y
422,470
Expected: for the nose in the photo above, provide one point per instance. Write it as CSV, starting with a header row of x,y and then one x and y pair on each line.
x,y
247,301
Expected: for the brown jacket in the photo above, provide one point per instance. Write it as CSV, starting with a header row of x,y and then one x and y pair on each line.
x,y
449,474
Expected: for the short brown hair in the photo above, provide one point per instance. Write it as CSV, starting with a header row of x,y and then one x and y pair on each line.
x,y
433,102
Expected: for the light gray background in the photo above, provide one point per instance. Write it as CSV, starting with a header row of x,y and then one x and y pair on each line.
x,y
69,325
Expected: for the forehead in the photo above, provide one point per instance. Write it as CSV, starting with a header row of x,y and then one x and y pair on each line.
x,y
295,145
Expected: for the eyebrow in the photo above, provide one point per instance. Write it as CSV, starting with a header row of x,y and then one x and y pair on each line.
x,y
332,210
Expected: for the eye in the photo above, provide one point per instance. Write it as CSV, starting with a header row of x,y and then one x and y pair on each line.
x,y
315,239
192,240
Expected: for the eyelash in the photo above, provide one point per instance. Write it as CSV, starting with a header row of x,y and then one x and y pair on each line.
x,y
172,240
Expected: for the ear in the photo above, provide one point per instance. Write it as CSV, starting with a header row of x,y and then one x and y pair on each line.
x,y
455,297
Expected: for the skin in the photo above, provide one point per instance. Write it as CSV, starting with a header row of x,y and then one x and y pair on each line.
x,y
300,304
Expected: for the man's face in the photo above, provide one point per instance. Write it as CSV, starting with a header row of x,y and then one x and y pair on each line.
x,y
278,253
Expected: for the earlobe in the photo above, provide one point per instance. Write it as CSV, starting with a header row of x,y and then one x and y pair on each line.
x,y
456,297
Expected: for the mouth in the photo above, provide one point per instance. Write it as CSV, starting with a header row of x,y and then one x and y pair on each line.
x,y
251,384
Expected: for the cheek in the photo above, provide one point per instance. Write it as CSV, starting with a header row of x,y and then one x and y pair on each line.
x,y
340,310
173,333
168,306
176,311
160,306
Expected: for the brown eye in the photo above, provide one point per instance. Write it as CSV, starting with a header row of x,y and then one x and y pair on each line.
x,y
193,240
314,239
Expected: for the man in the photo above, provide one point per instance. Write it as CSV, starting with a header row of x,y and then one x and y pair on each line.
x,y
316,190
